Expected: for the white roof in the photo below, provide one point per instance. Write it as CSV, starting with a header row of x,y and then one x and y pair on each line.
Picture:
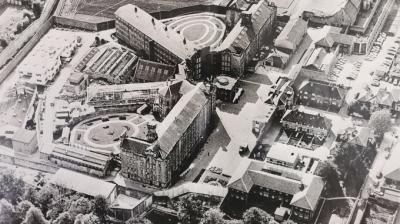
x,y
82,183
189,187
283,152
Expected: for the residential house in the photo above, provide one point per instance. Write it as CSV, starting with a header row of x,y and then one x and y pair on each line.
x,y
321,95
318,64
334,38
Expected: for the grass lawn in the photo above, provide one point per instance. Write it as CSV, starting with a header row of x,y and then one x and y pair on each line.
x,y
338,207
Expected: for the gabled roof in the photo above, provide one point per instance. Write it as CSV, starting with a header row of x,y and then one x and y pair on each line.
x,y
180,118
150,71
305,188
306,119
156,30
326,41
322,89
316,59
292,34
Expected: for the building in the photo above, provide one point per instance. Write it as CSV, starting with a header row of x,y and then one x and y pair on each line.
x,y
24,141
321,95
83,184
358,137
76,84
335,13
283,156
258,183
312,124
333,38
178,137
125,95
391,172
150,36
149,71
226,88
318,64
279,94
291,36
50,49
246,37
81,160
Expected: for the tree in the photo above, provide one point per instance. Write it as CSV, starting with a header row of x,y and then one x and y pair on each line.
x,y
37,10
191,208
234,221
64,218
31,195
136,220
328,172
46,196
21,209
255,215
289,221
11,187
34,216
6,212
80,206
380,122
100,208
213,216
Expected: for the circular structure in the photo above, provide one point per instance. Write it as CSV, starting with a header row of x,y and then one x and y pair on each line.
x,y
107,134
201,29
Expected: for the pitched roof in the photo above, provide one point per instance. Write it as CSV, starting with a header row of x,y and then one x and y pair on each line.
x,y
306,119
23,135
241,36
156,30
82,183
150,71
305,188
180,118
322,89
292,34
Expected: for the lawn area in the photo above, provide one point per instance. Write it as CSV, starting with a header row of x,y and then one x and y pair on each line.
x,y
107,8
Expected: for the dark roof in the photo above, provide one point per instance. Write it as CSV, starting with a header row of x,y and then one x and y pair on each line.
x,y
180,118
150,71
25,136
322,89
305,119
138,146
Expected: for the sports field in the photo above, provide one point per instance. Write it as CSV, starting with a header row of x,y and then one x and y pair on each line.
x,y
106,8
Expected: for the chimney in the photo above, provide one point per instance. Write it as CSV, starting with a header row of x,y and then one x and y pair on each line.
x,y
184,41
151,131
135,9
153,22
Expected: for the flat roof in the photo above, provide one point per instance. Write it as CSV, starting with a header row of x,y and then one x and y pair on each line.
x,y
82,183
25,136
282,153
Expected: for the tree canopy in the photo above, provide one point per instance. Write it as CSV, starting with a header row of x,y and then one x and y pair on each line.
x,y
213,216
137,220
11,187
256,215
34,216
380,122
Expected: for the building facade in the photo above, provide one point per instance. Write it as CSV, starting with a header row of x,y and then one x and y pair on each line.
x,y
25,141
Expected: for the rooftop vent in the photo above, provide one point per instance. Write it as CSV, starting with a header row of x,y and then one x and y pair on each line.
x,y
153,22
184,40
166,28
135,9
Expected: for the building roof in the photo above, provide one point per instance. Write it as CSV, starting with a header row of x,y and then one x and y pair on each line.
x,y
156,30
306,119
76,78
197,188
332,36
285,154
225,82
24,136
177,88
137,145
322,89
180,118
240,37
292,34
320,59
384,97
125,202
391,170
82,183
306,189
150,71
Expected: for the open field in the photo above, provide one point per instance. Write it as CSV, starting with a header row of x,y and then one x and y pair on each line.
x,y
107,8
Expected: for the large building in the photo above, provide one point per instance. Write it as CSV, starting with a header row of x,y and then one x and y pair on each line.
x,y
256,182
183,130
145,33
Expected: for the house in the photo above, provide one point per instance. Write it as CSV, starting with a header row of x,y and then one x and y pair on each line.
x,y
149,71
365,102
25,141
255,182
83,184
291,36
312,124
321,95
391,172
277,59
318,64
359,137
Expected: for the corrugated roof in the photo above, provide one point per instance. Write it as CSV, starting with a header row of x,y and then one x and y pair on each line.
x,y
150,71
82,183
180,118
156,30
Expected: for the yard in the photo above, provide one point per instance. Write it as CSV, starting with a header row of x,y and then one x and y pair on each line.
x,y
334,211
